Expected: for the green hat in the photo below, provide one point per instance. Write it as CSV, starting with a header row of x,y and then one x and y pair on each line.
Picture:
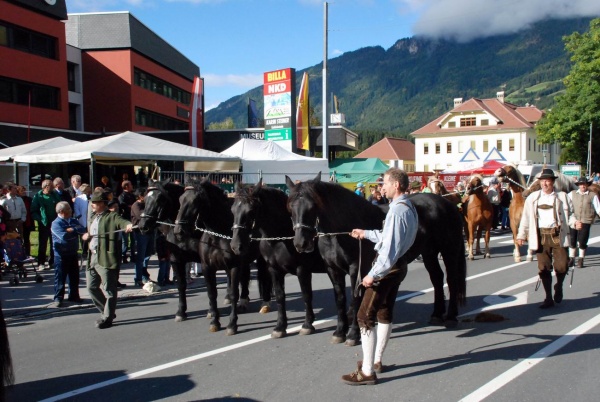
x,y
99,196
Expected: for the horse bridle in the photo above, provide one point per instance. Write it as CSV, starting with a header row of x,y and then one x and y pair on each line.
x,y
182,222
300,225
144,215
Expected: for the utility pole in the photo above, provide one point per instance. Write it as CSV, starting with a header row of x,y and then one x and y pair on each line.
x,y
324,123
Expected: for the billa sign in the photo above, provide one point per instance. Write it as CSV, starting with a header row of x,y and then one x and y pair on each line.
x,y
279,99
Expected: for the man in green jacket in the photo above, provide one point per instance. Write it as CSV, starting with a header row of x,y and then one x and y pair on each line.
x,y
104,256
43,211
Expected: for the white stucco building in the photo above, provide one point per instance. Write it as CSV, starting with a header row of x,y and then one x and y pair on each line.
x,y
479,130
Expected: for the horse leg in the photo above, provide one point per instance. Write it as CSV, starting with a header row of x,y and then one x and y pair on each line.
x,y
179,268
470,240
436,275
265,285
353,336
210,276
517,252
305,280
478,244
279,287
232,327
338,280
244,300
228,297
487,243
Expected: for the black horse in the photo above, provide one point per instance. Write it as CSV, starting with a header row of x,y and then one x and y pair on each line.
x,y
329,208
205,211
162,205
262,212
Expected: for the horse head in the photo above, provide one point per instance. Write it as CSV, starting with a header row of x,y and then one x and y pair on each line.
x,y
304,206
245,209
155,205
185,223
436,186
474,185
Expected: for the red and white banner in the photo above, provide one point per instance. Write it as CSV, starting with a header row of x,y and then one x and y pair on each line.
x,y
197,113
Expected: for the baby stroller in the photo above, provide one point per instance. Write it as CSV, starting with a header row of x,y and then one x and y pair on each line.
x,y
16,262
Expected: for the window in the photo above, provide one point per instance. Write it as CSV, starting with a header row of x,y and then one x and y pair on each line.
x,y
18,92
468,121
535,145
485,146
473,144
461,146
485,122
437,147
448,147
426,168
529,144
154,84
147,118
499,145
511,144
426,149
71,74
451,124
22,39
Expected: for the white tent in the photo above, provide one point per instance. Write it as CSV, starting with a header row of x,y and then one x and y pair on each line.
x,y
273,162
34,147
128,148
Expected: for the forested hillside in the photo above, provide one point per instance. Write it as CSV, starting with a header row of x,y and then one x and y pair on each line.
x,y
395,91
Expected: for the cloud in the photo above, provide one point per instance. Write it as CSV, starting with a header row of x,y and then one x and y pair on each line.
x,y
336,52
246,81
465,20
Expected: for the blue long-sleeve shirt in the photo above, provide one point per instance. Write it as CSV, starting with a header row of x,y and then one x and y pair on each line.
x,y
398,235
65,243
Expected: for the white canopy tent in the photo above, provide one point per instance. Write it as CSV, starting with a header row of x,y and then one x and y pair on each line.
x,y
129,148
35,147
274,162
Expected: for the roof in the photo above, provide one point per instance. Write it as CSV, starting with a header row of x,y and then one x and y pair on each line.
x,y
357,169
389,149
125,148
507,115
34,147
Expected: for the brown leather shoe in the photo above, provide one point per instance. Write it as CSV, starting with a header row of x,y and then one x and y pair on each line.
x,y
377,367
580,262
359,378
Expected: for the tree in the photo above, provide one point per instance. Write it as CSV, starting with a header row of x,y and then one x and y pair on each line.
x,y
568,122
222,125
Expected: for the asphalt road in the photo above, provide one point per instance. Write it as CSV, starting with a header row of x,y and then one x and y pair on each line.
x,y
530,355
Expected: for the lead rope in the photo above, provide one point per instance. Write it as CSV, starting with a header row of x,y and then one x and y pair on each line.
x,y
358,277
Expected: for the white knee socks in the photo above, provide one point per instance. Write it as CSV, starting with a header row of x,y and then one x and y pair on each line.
x,y
368,339
383,336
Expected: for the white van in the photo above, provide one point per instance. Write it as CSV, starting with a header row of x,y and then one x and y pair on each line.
x,y
530,170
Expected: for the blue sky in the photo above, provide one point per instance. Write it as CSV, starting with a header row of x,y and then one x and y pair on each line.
x,y
235,41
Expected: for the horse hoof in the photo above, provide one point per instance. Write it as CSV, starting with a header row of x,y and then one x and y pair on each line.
x,y
242,309
436,321
243,305
487,255
529,258
351,342
338,339
471,257
209,315
278,334
179,318
517,259
307,331
231,331
265,310
214,328
450,324
227,301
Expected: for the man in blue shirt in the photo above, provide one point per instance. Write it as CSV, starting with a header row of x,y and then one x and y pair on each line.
x,y
65,241
383,280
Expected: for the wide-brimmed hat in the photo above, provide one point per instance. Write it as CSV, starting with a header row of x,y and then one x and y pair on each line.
x,y
583,180
415,185
99,196
547,174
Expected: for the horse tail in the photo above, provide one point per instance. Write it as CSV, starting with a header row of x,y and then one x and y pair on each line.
x,y
7,376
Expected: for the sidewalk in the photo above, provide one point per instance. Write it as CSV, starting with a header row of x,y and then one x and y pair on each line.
x,y
29,298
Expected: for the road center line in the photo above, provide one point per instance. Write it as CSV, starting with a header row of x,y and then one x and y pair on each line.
x,y
514,372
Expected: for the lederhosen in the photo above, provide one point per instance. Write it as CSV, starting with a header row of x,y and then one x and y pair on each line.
x,y
550,253
378,301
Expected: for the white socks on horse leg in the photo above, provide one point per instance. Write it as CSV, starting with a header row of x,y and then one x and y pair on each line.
x,y
368,339
383,336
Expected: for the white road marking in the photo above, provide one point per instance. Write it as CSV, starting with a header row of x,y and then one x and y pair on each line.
x,y
511,374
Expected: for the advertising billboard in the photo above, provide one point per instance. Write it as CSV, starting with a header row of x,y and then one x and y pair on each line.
x,y
279,103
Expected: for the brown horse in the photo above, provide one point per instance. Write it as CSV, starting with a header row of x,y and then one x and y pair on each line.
x,y
479,215
437,187
511,175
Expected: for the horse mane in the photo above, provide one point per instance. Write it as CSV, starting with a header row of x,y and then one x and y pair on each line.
x,y
336,203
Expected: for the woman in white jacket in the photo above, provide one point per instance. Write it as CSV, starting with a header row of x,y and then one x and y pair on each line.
x,y
545,223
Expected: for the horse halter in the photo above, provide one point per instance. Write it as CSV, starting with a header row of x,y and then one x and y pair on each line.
x,y
144,215
301,225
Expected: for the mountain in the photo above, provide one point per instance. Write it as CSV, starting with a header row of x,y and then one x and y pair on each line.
x,y
396,91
